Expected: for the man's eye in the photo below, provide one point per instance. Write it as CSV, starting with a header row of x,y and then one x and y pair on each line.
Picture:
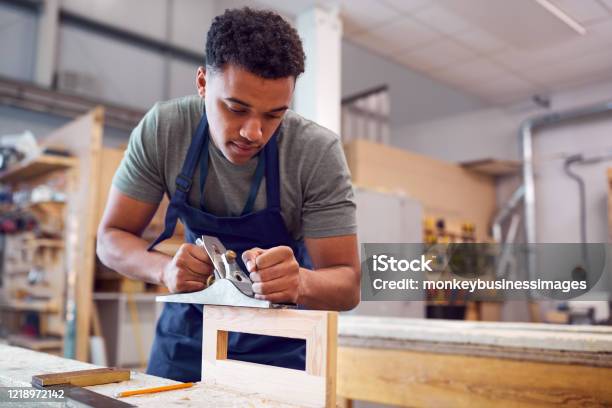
x,y
240,111
272,117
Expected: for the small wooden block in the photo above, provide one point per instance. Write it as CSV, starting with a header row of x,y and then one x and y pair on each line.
x,y
83,378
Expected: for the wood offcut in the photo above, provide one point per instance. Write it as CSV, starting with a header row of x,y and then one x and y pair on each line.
x,y
82,378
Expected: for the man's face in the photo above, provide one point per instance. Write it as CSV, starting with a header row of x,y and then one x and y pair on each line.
x,y
243,109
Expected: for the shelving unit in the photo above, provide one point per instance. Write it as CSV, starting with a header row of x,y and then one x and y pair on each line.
x,y
35,265
47,255
88,177
36,167
65,310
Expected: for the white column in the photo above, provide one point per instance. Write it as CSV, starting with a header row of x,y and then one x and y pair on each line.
x,y
46,47
317,95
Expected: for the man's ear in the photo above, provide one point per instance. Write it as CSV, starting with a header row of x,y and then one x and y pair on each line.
x,y
201,81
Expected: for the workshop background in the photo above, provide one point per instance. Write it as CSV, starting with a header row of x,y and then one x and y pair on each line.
x,y
432,99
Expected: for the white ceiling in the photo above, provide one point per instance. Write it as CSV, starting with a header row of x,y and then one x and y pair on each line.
x,y
500,50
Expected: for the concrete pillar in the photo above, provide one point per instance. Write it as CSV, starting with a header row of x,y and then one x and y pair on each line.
x,y
46,48
317,95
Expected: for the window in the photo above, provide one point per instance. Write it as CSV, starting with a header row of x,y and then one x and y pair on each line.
x,y
366,116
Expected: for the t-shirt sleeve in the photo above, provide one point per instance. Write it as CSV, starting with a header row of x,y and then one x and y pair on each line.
x,y
329,203
139,175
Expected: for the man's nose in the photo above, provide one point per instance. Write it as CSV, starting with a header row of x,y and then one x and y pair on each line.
x,y
251,130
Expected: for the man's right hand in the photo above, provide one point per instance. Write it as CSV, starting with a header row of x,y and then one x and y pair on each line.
x,y
188,270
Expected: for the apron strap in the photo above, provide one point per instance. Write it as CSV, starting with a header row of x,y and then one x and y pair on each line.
x,y
259,174
183,181
169,224
272,173
185,177
203,170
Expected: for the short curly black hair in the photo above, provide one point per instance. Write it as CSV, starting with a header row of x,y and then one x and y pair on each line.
x,y
260,41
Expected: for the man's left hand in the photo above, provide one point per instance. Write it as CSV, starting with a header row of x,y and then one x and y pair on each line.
x,y
275,274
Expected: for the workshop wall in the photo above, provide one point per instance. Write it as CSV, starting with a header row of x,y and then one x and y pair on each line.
x,y
18,27
87,61
476,134
135,82
182,23
414,97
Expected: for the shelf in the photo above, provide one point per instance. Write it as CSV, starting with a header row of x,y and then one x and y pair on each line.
x,y
33,306
45,242
493,167
35,167
34,343
43,204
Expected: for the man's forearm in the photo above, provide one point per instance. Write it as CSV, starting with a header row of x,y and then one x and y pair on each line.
x,y
127,254
329,288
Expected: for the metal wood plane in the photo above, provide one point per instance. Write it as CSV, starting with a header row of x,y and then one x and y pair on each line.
x,y
228,286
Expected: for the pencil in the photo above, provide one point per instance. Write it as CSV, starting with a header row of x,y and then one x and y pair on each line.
x,y
154,389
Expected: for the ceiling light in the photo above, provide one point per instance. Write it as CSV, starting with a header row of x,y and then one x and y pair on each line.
x,y
563,16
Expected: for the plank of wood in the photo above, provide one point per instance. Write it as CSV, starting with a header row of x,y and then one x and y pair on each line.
x,y
313,387
95,321
83,378
417,379
331,371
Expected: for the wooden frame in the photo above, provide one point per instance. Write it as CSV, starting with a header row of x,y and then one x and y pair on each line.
x,y
316,386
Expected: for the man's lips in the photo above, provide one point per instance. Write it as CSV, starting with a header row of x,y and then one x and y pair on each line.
x,y
247,148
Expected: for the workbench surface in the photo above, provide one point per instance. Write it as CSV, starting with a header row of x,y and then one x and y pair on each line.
x,y
589,345
18,365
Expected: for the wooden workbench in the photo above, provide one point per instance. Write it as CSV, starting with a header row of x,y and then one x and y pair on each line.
x,y
440,363
411,362
18,365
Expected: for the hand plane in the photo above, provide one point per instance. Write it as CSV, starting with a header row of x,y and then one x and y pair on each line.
x,y
229,285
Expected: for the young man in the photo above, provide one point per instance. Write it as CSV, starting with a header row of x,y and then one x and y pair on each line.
x,y
237,164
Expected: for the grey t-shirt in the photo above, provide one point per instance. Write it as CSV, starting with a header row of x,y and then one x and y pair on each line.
x,y
316,192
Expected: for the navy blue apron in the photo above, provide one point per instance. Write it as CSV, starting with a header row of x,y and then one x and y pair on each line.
x,y
177,348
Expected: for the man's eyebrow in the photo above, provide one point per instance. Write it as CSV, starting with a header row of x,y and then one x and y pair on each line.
x,y
282,108
243,103
238,101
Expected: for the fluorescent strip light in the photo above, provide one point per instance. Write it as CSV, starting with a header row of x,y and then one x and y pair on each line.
x,y
561,15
